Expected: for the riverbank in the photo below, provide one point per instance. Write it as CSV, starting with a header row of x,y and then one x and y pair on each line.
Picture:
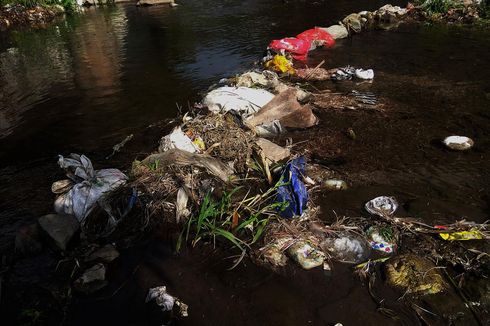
x,y
18,15
364,145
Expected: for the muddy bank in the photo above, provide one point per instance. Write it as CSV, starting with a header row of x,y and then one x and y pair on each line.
x,y
20,16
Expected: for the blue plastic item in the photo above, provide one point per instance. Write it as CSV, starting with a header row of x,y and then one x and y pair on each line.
x,y
294,191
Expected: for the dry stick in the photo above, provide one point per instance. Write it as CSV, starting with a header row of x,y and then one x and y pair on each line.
x,y
314,70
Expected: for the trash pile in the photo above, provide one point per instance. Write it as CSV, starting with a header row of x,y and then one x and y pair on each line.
x,y
227,175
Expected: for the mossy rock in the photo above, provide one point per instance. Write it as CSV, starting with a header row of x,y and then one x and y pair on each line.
x,y
414,275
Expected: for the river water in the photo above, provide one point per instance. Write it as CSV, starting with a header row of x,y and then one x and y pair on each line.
x,y
85,83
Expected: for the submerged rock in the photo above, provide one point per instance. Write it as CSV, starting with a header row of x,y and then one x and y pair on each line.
x,y
93,279
413,274
60,228
27,240
106,254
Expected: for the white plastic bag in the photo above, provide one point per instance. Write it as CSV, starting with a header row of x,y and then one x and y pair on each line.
x,y
89,186
177,139
242,100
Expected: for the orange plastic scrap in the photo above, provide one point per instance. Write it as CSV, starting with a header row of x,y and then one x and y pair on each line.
x,y
461,236
280,63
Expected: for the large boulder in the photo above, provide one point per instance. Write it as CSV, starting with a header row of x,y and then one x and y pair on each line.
x,y
60,228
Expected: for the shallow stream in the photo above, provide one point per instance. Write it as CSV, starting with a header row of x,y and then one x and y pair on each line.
x,y
85,83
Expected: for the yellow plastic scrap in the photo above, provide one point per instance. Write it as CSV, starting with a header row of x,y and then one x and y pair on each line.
x,y
199,143
463,235
280,64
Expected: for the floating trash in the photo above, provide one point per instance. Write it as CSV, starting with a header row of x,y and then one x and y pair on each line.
x,y
365,97
365,74
382,206
335,184
461,236
305,255
458,143
381,239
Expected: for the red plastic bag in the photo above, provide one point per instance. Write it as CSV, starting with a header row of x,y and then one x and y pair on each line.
x,y
293,45
317,37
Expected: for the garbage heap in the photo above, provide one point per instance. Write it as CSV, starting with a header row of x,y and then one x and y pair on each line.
x,y
228,174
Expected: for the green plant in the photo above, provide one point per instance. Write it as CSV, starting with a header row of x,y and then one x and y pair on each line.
x,y
220,219
436,6
153,166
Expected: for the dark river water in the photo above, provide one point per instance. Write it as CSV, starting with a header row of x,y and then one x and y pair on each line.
x,y
85,83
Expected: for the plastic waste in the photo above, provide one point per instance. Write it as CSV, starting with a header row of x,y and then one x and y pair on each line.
x,y
306,41
271,129
458,143
334,184
166,301
344,73
346,249
364,74
293,191
280,63
242,100
305,255
317,37
297,47
462,235
382,206
177,139
381,239
89,186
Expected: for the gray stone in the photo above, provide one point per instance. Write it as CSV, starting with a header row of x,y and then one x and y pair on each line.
x,y
92,279
27,240
60,228
106,254
154,2
337,31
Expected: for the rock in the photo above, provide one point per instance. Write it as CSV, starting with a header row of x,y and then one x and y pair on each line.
x,y
27,240
154,2
413,274
337,31
60,228
285,108
353,23
93,279
106,254
273,152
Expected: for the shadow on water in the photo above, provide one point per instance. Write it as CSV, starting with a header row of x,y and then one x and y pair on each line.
x,y
84,84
